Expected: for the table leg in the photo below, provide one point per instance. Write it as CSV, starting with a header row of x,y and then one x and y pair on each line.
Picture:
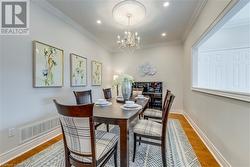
x,y
124,143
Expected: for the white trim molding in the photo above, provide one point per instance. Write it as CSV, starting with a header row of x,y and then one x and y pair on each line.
x,y
21,149
233,95
211,147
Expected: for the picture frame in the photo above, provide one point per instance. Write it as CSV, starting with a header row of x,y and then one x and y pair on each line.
x,y
96,73
48,66
78,70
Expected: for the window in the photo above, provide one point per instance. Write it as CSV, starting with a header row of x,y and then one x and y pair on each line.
x,y
221,59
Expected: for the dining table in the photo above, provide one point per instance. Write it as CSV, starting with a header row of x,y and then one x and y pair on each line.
x,y
116,115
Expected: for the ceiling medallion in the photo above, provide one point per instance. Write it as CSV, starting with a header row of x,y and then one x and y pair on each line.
x,y
129,13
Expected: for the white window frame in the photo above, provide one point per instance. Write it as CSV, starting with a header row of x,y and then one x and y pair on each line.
x,y
216,25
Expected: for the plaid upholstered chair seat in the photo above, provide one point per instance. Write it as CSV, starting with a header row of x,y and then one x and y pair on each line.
x,y
153,113
153,133
148,128
104,143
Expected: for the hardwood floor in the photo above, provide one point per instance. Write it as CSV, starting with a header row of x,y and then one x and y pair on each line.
x,y
32,152
205,157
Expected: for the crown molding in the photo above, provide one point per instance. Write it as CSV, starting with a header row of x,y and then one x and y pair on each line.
x,y
194,17
59,14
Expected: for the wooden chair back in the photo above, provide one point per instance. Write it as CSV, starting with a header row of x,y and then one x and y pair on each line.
x,y
83,97
165,98
169,102
107,93
78,130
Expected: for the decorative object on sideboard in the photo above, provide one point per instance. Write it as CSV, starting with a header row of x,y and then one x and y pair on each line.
x,y
78,70
47,65
96,73
147,69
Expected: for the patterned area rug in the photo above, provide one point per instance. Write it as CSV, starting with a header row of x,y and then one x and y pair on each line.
x,y
179,152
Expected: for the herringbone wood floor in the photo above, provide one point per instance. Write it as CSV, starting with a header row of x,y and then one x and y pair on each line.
x,y
205,157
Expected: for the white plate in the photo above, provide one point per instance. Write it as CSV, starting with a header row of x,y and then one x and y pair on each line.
x,y
120,98
131,109
140,97
102,103
107,104
131,105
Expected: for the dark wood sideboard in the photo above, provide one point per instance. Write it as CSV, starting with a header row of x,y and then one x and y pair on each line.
x,y
153,90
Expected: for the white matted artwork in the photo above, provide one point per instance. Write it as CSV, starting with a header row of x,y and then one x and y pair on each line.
x,y
96,73
47,65
78,70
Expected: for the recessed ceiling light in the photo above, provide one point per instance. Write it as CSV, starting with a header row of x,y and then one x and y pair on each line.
x,y
166,4
98,21
163,34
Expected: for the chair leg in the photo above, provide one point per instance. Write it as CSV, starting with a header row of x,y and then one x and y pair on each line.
x,y
107,127
134,147
139,141
163,153
115,156
67,162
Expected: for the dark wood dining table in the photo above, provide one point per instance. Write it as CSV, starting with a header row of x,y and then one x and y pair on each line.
x,y
115,115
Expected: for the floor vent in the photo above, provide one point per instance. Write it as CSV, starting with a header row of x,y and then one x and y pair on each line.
x,y
36,129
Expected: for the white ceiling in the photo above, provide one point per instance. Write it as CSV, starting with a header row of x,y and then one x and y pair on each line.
x,y
175,20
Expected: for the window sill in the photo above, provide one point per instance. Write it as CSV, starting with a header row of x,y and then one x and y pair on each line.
x,y
237,96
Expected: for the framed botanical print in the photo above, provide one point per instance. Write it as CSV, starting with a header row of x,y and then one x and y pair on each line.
x,y
47,65
78,70
96,73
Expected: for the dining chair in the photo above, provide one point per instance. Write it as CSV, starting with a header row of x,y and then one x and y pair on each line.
x,y
83,145
147,129
156,114
107,93
85,97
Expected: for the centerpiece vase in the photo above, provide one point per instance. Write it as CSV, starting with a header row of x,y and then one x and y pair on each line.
x,y
126,89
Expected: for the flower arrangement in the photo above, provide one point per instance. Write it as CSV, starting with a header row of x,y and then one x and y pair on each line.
x,y
120,79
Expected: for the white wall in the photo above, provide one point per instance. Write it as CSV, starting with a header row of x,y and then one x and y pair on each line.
x,y
226,122
23,104
168,61
1,79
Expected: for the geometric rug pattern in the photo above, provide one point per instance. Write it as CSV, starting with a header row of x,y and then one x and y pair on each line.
x,y
179,152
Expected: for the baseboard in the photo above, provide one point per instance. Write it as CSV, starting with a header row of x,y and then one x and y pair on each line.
x,y
211,147
21,149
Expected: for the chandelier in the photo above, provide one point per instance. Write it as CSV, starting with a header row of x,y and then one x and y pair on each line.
x,y
129,39
129,13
